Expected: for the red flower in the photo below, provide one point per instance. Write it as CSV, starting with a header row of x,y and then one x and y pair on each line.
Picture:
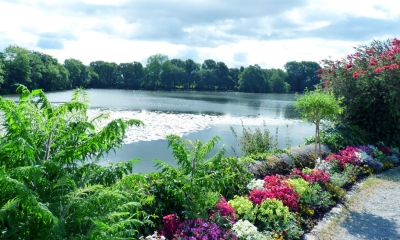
x,y
355,74
349,65
378,70
373,62
224,209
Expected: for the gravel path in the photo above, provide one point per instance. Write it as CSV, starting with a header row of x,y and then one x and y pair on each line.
x,y
371,211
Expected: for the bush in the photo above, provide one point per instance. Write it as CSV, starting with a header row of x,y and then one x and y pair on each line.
x,y
258,142
367,82
50,182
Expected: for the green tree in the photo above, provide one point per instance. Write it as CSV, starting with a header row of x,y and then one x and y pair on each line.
x,y
315,106
172,75
2,71
302,75
52,75
276,79
132,74
78,73
252,80
153,70
209,64
191,69
234,75
224,80
106,74
16,66
206,80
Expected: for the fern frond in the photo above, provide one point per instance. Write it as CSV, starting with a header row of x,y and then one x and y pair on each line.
x,y
10,206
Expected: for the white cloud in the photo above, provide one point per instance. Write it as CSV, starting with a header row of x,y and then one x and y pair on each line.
x,y
126,31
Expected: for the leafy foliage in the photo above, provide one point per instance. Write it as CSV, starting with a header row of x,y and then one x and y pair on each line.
x,y
257,142
196,184
51,185
315,106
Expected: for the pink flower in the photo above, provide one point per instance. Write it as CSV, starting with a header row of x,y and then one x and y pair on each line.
x,y
355,74
378,70
373,62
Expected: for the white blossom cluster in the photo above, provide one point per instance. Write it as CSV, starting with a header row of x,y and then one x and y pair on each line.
x,y
153,237
256,184
246,230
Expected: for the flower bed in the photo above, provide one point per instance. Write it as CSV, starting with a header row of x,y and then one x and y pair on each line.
x,y
283,206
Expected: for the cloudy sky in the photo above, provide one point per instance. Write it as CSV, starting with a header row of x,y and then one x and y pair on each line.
x,y
264,32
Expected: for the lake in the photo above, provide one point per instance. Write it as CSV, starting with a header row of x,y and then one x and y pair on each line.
x,y
192,115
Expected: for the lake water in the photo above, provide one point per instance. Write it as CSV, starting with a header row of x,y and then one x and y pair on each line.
x,y
192,115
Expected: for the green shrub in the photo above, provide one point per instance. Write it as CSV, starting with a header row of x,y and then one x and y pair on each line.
x,y
273,216
50,183
259,141
244,208
193,187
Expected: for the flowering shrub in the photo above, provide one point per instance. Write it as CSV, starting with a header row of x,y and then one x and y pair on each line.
x,y
302,187
345,156
153,237
170,225
256,184
336,192
392,159
275,217
368,149
367,82
203,229
246,230
365,155
310,175
193,229
244,208
222,209
275,188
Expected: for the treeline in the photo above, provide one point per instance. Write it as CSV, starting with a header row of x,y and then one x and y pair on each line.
x,y
41,71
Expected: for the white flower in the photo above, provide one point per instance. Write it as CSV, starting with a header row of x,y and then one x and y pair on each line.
x,y
256,184
246,230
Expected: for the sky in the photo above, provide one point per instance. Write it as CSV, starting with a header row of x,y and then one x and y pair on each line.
x,y
239,33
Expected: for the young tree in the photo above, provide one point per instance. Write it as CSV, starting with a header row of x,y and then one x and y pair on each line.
x,y
315,106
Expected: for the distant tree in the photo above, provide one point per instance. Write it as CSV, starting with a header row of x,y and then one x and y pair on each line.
x,y
234,75
178,63
205,80
224,80
276,79
106,74
131,74
16,66
153,70
79,74
209,64
2,70
252,80
191,69
302,75
172,75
